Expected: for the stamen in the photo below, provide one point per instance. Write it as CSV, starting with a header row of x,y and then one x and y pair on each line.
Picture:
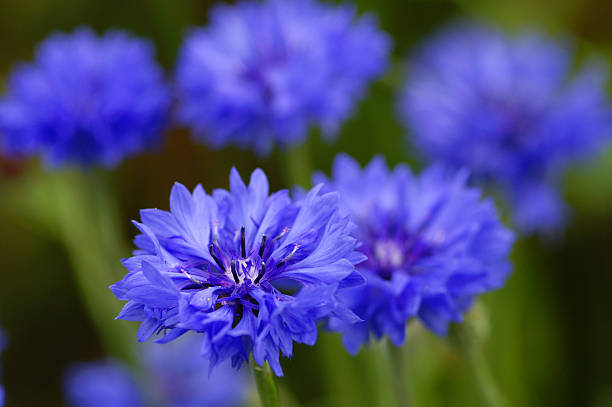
x,y
191,278
215,258
283,233
216,231
263,245
243,242
261,272
234,273
289,256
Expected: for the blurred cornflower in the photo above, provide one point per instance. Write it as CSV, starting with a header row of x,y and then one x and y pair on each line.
x,y
173,378
182,379
432,245
262,73
2,345
85,100
102,384
509,109
219,264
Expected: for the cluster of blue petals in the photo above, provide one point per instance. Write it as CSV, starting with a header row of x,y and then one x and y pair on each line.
x,y
173,378
261,73
85,100
432,245
250,271
510,110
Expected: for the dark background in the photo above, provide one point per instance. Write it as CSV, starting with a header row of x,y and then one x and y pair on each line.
x,y
550,330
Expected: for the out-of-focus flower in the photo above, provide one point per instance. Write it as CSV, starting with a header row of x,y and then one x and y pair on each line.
x,y
262,72
85,100
2,345
182,379
173,378
102,384
510,110
215,264
432,244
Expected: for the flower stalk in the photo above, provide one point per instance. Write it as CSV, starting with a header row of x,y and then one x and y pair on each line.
x,y
467,338
265,383
399,375
87,225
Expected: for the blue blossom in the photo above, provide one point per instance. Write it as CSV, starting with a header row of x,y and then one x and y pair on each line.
x,y
85,100
432,244
261,73
218,264
2,345
509,109
172,377
102,384
181,379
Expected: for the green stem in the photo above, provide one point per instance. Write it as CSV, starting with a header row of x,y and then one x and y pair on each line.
x,y
399,374
468,344
86,219
297,165
379,374
265,383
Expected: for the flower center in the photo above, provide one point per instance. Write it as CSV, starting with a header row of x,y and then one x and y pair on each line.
x,y
389,254
239,264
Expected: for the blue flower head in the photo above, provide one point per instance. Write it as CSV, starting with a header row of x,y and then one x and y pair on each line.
x,y
432,245
172,377
85,100
181,378
510,110
262,72
219,265
102,384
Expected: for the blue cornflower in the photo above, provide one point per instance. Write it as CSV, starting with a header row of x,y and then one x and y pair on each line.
x,y
219,264
262,73
102,384
181,379
510,110
173,378
86,100
432,245
2,345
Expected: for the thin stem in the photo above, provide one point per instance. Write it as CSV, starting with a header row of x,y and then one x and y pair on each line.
x,y
297,164
399,375
468,344
265,383
86,222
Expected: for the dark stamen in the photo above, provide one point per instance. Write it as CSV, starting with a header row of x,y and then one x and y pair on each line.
x,y
243,242
234,273
261,272
215,258
263,245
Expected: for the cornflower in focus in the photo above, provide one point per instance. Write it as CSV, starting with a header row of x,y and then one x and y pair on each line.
x,y
261,73
432,245
509,109
173,378
217,264
85,100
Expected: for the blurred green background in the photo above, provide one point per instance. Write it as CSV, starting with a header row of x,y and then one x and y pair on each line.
x,y
548,336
